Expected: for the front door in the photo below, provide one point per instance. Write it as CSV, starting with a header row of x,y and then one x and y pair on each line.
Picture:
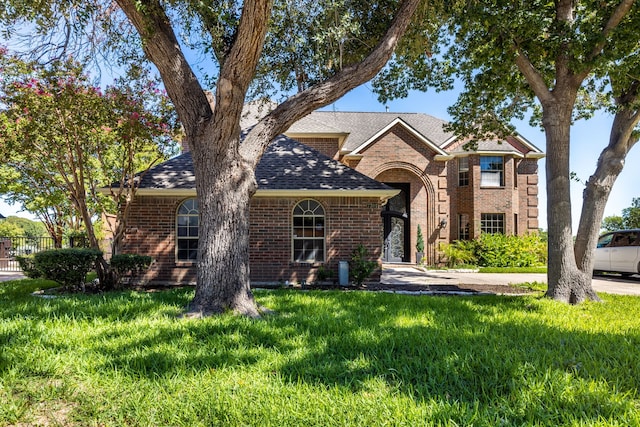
x,y
395,219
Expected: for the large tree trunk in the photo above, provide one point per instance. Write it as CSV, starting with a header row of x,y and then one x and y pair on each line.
x,y
225,184
566,282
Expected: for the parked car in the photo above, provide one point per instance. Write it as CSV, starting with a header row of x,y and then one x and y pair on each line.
x,y
618,252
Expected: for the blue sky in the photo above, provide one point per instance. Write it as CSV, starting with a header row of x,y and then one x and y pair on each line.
x,y
588,140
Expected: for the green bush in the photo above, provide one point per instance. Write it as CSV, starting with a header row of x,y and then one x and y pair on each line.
x,y
497,250
68,266
28,266
129,266
361,266
459,253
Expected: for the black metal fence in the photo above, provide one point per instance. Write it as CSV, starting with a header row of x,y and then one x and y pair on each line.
x,y
11,247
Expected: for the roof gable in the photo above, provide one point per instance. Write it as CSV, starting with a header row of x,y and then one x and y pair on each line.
x,y
398,122
362,127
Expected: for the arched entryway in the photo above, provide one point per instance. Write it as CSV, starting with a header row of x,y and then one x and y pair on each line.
x,y
414,205
396,225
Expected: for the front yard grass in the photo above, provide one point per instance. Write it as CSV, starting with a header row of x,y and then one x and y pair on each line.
x,y
326,358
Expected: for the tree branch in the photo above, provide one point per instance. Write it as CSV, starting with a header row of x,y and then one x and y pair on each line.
x,y
240,64
303,103
161,46
531,74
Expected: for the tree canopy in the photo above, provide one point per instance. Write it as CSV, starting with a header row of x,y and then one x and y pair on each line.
x,y
64,138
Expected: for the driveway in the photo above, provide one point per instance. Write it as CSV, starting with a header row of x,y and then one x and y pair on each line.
x,y
393,274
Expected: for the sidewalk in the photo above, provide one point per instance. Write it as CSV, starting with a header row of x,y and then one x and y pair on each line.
x,y
11,275
395,274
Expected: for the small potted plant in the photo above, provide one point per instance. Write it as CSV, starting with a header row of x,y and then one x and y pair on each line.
x,y
419,246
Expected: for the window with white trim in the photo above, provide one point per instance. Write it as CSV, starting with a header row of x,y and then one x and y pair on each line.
x,y
463,171
492,223
492,171
308,232
187,230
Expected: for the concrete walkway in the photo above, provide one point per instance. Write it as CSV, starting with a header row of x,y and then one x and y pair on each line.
x,y
11,275
394,274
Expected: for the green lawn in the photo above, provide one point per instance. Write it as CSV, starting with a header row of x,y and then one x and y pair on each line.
x,y
326,358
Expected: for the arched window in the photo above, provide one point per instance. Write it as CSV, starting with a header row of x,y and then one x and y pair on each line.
x,y
308,232
187,224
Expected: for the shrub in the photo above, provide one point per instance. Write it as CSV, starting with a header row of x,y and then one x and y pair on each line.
x,y
459,252
324,273
498,250
419,240
28,266
68,266
361,266
129,266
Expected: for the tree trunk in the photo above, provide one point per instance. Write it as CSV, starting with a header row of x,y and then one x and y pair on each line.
x,y
566,282
225,184
598,188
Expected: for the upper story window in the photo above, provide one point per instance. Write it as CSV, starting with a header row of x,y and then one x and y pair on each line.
x,y
308,232
187,230
463,171
492,171
492,223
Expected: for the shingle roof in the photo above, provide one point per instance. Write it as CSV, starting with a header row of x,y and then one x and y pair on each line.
x,y
286,165
362,126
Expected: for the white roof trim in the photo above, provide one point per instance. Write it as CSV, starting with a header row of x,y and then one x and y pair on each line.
x,y
524,141
382,194
513,153
529,145
449,141
411,130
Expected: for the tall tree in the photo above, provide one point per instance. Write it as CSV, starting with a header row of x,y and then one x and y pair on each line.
x,y
563,59
63,139
233,34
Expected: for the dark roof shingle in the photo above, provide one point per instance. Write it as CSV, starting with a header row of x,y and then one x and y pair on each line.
x,y
286,165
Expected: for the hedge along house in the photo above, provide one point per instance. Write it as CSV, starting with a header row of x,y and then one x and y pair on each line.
x,y
339,179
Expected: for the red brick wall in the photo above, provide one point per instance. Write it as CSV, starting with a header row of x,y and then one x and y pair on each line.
x,y
327,146
349,221
397,157
514,201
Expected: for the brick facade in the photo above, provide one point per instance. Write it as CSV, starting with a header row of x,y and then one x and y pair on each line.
x,y
349,221
399,157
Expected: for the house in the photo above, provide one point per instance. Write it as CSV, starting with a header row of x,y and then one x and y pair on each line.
x,y
335,180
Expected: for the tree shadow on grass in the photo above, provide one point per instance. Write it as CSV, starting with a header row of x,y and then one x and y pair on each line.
x,y
491,354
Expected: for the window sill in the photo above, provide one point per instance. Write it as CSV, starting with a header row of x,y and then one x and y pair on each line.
x,y
186,264
502,187
306,264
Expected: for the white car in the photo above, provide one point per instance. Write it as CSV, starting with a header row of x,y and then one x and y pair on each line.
x,y
618,252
